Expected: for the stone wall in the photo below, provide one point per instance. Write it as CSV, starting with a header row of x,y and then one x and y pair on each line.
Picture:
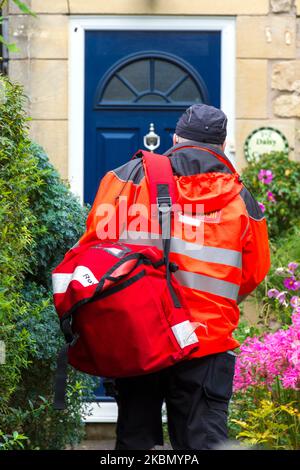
x,y
268,73
267,63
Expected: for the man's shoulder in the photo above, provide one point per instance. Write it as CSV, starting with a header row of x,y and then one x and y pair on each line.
x,y
252,206
130,171
191,158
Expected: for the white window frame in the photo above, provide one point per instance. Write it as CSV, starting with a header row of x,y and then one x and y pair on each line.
x,y
77,27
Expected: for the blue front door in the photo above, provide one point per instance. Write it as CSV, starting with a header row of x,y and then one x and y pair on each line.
x,y
134,78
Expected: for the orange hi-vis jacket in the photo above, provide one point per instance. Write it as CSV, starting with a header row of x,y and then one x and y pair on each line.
x,y
231,258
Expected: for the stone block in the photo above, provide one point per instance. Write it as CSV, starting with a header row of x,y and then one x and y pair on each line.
x,y
53,137
199,7
287,105
41,6
272,37
45,83
281,6
252,89
286,76
44,37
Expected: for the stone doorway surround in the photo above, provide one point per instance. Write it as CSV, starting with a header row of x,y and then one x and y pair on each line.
x,y
77,28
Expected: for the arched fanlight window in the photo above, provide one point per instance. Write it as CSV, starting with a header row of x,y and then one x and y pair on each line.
x,y
152,80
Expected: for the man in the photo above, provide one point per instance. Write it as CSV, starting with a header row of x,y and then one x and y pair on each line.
x,y
215,276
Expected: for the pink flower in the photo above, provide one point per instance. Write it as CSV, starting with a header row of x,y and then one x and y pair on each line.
x,y
291,283
281,297
265,176
262,206
296,317
297,285
275,355
271,196
295,301
272,293
293,266
290,379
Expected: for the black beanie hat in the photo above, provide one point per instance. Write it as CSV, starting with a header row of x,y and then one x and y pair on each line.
x,y
203,123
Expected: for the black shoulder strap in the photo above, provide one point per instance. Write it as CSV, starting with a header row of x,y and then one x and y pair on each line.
x,y
60,381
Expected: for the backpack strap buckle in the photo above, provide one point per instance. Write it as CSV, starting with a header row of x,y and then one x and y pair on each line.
x,y
164,203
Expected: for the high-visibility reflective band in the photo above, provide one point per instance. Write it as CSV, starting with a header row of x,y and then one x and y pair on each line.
x,y
210,254
60,282
207,284
82,274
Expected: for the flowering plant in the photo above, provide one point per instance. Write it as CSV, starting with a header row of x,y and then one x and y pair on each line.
x,y
275,182
273,356
291,283
268,370
279,301
265,178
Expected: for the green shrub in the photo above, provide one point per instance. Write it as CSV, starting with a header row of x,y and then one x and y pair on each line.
x,y
12,441
31,405
270,425
40,219
284,212
18,177
61,219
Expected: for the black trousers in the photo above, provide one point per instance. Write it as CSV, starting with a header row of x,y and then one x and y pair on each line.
x,y
196,393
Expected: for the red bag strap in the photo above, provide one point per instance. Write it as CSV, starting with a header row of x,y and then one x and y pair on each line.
x,y
163,193
160,177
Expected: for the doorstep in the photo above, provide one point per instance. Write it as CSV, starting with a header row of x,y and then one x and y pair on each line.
x,y
107,412
101,412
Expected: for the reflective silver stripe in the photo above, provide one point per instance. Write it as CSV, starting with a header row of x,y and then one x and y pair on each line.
x,y
82,274
207,253
208,284
181,247
60,282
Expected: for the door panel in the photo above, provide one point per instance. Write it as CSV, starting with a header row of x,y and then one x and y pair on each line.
x,y
109,143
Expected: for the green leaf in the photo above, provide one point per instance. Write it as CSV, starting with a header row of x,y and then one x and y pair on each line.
x,y
24,8
10,46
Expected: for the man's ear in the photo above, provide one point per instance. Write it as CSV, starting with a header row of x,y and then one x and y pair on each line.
x,y
174,139
223,146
